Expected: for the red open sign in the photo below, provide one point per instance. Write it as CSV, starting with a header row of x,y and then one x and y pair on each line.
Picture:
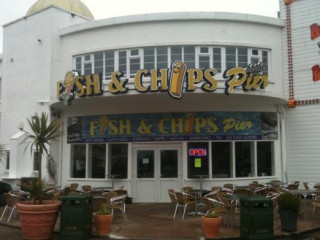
x,y
197,152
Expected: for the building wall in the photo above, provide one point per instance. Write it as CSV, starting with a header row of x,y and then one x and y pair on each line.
x,y
302,122
30,51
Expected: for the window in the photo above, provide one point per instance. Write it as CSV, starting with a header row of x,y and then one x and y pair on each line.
x,y
97,161
109,64
176,53
78,161
134,60
221,159
118,160
244,159
265,158
149,58
98,62
189,56
162,57
129,61
198,163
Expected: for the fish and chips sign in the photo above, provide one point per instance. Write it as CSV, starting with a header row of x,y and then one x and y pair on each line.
x,y
171,80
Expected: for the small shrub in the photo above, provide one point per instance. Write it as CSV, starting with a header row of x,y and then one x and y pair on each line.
x,y
104,210
289,202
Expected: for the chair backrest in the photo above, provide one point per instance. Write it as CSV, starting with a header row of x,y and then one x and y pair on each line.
x,y
11,199
74,186
121,192
293,186
187,189
86,188
229,186
172,195
110,195
180,198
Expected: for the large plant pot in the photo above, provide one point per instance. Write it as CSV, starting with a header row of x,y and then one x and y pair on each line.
x,y
211,226
38,220
288,220
103,224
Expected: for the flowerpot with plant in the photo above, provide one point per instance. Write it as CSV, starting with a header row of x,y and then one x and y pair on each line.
x,y
211,224
289,205
102,220
38,216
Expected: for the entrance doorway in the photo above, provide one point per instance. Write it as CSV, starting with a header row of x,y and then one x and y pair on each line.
x,y
155,170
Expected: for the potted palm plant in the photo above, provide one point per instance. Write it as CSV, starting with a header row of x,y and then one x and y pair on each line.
x,y
38,216
289,205
211,224
102,220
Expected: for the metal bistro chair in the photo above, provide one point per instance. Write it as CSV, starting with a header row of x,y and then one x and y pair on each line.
x,y
184,200
11,200
172,196
118,202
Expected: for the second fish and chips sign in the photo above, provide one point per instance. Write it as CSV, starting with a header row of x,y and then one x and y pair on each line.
x,y
173,127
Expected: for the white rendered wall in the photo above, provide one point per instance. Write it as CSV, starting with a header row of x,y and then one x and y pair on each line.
x,y
30,51
302,122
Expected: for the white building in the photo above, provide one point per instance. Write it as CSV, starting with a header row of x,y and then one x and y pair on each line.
x,y
111,83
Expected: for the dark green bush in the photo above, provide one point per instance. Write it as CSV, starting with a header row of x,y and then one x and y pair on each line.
x,y
289,202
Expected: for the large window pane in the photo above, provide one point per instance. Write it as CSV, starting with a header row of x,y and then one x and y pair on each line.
x,y
123,62
242,57
118,161
217,59
98,62
148,54
145,164
244,159
162,57
230,57
176,53
78,161
221,159
169,163
265,158
109,68
189,56
198,163
204,62
265,62
97,160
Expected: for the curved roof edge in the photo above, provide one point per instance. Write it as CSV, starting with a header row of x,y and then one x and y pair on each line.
x,y
175,16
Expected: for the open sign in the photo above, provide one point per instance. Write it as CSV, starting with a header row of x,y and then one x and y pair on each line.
x,y
196,152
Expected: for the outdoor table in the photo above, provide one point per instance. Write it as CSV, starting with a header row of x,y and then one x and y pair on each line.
x,y
200,177
198,193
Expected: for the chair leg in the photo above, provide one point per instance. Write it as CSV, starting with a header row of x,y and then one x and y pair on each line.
x,y
12,211
124,215
184,211
175,211
4,211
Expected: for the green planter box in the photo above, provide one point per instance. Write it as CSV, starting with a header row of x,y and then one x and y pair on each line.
x,y
76,217
256,218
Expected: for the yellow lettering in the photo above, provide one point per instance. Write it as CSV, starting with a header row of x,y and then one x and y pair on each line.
x,y
228,124
195,75
113,128
92,128
117,85
264,80
162,124
162,79
138,80
237,76
79,86
211,83
199,124
93,84
124,127
212,124
177,123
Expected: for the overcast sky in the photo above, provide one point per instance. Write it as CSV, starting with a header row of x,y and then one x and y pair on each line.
x,y
14,9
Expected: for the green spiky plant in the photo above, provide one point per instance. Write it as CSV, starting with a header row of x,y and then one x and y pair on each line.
x,y
42,134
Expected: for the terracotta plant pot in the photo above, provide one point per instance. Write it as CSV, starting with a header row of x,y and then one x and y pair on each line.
x,y
103,224
38,220
211,226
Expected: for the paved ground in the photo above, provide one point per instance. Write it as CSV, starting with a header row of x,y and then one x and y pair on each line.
x,y
154,221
